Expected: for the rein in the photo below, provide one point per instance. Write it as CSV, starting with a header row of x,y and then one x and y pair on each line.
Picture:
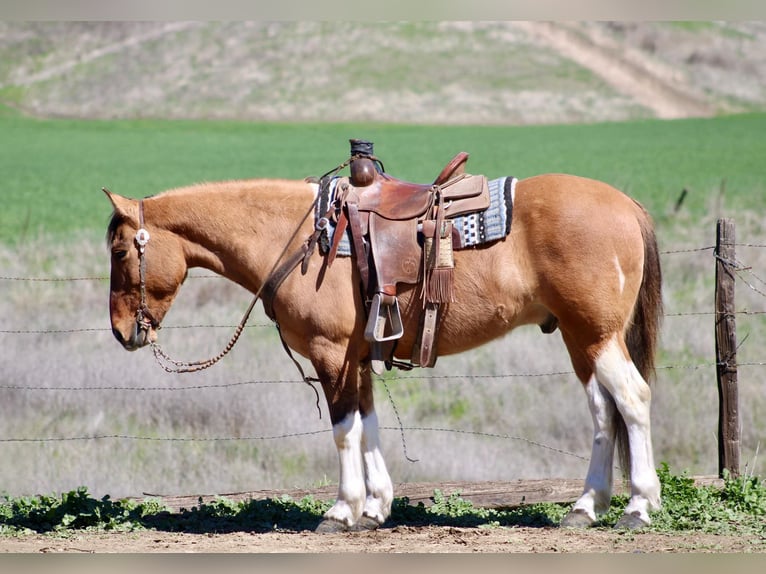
x,y
144,318
267,291
276,275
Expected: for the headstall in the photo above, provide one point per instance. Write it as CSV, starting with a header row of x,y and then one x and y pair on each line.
x,y
144,319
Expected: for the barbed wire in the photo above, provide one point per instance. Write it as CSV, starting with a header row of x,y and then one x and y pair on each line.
x,y
750,285
215,276
690,250
160,439
52,279
269,325
738,267
149,388
42,440
86,278
393,378
108,330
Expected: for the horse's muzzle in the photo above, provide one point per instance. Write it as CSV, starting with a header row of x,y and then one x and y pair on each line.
x,y
138,337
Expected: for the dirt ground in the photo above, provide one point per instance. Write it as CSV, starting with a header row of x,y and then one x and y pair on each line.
x,y
397,539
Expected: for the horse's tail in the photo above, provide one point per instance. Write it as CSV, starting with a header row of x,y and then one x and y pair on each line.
x,y
643,331
641,337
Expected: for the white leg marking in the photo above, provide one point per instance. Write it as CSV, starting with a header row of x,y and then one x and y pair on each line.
x,y
598,483
633,399
351,490
620,274
380,491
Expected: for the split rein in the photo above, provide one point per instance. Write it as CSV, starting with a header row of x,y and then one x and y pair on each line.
x,y
145,321
278,273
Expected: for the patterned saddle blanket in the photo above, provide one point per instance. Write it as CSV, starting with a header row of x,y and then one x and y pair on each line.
x,y
474,228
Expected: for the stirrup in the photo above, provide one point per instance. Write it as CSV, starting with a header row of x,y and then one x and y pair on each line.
x,y
382,314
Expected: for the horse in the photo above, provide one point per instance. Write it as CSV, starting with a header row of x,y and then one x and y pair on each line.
x,y
581,256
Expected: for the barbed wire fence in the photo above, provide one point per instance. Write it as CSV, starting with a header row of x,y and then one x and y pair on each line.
x,y
745,274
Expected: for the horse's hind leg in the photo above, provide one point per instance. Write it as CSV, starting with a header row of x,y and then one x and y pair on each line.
x,y
598,483
616,372
613,382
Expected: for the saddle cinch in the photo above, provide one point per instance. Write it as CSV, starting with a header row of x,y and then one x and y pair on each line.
x,y
402,232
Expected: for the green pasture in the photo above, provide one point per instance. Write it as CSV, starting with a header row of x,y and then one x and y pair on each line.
x,y
53,170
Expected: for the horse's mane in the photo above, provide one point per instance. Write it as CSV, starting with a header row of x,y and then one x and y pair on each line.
x,y
261,186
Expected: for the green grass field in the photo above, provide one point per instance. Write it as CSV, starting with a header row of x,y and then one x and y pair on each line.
x,y
53,170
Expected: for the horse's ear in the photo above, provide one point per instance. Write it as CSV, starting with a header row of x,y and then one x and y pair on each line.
x,y
122,205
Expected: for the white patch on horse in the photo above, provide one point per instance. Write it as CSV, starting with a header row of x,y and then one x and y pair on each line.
x,y
619,376
620,274
351,489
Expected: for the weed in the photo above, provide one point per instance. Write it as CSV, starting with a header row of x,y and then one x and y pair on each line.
x,y
737,507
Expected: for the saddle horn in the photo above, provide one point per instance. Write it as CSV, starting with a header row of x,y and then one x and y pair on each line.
x,y
364,165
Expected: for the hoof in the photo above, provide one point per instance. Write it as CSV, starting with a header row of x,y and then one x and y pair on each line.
x,y
631,521
576,519
364,524
331,526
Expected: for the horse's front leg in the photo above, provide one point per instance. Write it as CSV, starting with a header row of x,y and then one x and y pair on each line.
x,y
349,504
340,382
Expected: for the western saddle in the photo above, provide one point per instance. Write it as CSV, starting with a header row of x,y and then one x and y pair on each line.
x,y
402,232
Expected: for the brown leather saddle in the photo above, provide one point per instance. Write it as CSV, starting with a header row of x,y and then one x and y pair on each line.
x,y
401,233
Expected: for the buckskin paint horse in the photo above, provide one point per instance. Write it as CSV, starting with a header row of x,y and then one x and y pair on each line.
x,y
580,255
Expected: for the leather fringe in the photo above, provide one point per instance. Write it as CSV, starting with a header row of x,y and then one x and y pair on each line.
x,y
439,284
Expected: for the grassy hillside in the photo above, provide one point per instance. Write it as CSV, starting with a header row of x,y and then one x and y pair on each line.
x,y
408,72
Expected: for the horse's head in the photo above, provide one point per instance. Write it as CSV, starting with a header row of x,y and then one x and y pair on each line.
x,y
148,267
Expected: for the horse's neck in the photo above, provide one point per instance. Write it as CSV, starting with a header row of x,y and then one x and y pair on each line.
x,y
238,229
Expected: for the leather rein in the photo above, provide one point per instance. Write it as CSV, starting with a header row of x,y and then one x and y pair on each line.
x,y
267,291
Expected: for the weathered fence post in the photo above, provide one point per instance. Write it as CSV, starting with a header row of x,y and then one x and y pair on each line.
x,y
726,349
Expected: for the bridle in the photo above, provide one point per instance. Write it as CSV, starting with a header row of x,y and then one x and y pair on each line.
x,y
144,319
279,272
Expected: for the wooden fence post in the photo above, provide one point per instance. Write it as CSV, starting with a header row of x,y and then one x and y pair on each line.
x,y
726,349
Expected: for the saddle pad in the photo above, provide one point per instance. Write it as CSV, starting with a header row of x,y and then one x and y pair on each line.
x,y
495,222
474,228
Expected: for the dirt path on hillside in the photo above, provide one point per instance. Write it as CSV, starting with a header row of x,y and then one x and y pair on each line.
x,y
68,65
650,83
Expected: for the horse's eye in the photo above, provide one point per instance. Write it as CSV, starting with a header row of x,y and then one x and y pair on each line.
x,y
119,254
